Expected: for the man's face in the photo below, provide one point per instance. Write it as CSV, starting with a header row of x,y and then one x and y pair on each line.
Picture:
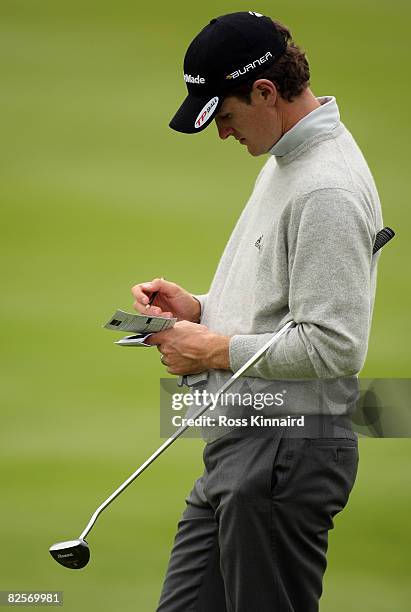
x,y
255,125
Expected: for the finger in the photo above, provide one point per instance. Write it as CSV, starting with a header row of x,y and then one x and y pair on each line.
x,y
139,307
167,288
143,291
156,339
164,361
176,370
142,299
154,311
155,285
139,291
154,288
151,340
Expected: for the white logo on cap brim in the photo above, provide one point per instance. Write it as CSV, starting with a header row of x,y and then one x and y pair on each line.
x,y
206,112
256,14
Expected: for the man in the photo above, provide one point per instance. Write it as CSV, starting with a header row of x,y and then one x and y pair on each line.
x,y
253,537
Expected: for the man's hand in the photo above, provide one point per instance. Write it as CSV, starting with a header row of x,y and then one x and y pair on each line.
x,y
171,301
190,348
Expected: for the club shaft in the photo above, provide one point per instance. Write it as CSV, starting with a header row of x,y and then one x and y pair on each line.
x,y
183,428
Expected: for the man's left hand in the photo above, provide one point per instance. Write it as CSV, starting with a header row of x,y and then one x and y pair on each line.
x,y
190,348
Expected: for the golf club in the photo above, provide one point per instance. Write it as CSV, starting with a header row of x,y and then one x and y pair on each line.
x,y
75,554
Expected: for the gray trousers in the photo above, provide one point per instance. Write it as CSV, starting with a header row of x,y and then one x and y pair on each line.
x,y
254,535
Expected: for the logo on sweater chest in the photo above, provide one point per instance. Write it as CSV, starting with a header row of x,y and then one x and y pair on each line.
x,y
259,242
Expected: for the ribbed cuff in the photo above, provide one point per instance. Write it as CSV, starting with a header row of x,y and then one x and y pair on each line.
x,y
202,300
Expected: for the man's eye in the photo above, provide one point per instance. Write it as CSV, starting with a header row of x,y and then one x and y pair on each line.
x,y
226,116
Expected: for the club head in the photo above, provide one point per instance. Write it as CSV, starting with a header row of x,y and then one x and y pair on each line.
x,y
73,554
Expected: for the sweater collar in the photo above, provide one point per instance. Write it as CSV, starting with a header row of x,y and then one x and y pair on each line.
x,y
322,119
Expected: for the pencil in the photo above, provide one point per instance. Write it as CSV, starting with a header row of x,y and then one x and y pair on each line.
x,y
153,297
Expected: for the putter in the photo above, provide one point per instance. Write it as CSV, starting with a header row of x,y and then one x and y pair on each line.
x,y
75,554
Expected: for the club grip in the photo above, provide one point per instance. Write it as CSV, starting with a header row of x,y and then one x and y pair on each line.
x,y
382,238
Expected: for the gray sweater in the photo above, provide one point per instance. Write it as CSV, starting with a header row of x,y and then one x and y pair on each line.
x,y
302,251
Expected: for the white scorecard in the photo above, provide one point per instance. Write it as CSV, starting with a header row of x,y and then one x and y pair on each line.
x,y
137,323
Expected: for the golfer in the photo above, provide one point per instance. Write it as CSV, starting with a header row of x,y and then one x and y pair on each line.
x,y
253,536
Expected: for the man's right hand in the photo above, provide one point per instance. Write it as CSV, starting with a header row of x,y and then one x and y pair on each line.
x,y
171,301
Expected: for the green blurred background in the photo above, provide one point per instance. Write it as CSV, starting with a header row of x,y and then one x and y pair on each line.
x,y
97,194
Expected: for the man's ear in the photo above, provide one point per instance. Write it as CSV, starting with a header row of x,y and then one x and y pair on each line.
x,y
263,88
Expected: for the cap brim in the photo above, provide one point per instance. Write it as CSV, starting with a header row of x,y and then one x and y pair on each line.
x,y
195,114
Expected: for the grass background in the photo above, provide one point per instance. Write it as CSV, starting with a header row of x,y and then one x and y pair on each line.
x,y
98,194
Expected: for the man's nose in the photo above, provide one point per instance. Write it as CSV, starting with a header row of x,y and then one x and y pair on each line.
x,y
224,132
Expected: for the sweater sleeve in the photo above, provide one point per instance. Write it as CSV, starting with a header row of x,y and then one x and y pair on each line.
x,y
329,262
202,300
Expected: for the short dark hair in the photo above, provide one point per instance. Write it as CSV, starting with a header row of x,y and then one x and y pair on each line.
x,y
290,73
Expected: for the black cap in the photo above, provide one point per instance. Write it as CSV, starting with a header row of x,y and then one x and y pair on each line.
x,y
228,51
